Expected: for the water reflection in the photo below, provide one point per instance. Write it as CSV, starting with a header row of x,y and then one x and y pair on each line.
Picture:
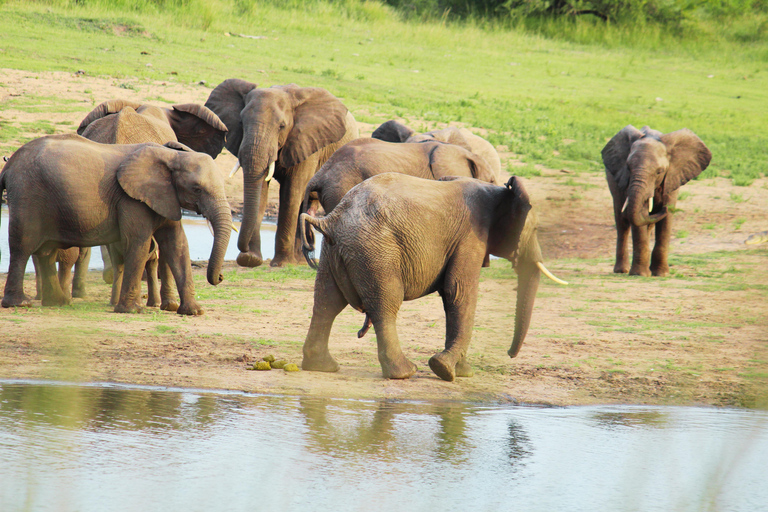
x,y
97,447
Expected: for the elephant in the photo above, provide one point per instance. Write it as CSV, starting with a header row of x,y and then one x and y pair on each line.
x,y
286,131
644,169
67,191
362,158
392,131
396,238
121,121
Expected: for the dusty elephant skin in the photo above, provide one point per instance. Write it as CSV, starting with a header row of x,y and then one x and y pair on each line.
x,y
392,131
644,170
283,131
396,238
67,191
362,158
126,122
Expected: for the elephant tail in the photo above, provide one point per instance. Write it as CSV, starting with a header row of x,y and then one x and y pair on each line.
x,y
307,223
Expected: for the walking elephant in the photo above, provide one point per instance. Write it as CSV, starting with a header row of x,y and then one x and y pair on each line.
x,y
395,238
285,131
392,131
125,122
67,191
644,169
366,157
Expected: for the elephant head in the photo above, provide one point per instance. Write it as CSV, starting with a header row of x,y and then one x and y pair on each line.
x,y
126,122
171,177
447,159
280,126
392,131
646,164
513,236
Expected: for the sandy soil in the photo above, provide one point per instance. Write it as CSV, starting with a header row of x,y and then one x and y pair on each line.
x,y
697,337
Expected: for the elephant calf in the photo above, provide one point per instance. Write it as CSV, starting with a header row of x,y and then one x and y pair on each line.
x,y
644,169
396,237
362,158
67,191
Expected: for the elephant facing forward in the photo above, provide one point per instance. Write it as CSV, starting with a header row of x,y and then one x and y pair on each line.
x,y
395,238
362,158
286,131
644,169
67,191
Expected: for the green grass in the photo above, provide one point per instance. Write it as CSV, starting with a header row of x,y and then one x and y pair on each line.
x,y
551,102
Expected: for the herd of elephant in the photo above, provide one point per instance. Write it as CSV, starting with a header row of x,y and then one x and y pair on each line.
x,y
406,214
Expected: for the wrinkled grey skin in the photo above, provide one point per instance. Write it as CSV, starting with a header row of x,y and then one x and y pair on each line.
x,y
392,131
362,158
67,191
125,122
645,164
395,238
297,129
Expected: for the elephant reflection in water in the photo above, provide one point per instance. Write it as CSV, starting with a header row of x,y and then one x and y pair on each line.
x,y
375,428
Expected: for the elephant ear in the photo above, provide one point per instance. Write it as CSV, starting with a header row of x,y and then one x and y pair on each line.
x,y
511,217
451,160
451,135
227,100
616,152
392,131
198,127
688,157
103,110
146,175
319,119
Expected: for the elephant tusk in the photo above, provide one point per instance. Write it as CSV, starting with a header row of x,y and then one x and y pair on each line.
x,y
650,205
626,202
235,169
210,226
270,172
234,228
549,274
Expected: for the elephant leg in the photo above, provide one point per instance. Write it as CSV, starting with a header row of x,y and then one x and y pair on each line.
x,y
116,268
394,364
622,227
459,302
20,251
253,257
168,301
329,302
52,292
81,272
640,251
172,243
135,259
287,221
65,279
38,278
106,274
660,254
153,287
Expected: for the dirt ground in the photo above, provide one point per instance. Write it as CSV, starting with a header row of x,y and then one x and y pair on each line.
x,y
698,337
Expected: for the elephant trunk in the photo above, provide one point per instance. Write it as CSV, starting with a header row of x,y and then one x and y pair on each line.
x,y
220,216
255,168
637,211
528,275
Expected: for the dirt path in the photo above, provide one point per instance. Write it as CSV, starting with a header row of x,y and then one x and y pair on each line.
x,y
699,336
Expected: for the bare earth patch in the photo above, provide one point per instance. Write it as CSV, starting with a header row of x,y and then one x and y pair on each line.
x,y
699,336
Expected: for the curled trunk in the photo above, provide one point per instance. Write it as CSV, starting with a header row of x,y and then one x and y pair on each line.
x,y
637,211
221,219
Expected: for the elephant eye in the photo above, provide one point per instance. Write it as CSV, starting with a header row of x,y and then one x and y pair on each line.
x,y
197,190
282,126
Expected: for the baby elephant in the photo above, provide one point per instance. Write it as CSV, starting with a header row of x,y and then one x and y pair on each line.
x,y
362,158
396,237
67,191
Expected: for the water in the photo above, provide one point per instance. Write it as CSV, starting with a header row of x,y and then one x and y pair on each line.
x,y
116,448
199,238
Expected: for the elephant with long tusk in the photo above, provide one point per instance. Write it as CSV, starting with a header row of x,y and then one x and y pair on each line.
x,y
395,238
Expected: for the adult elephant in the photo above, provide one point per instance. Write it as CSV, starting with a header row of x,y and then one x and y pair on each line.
x,y
67,191
363,158
286,131
121,121
393,131
396,237
644,169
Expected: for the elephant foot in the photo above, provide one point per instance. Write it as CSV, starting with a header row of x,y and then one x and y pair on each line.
x,y
660,271
78,293
620,269
443,366
637,271
249,259
171,305
128,308
463,369
16,301
56,301
190,309
324,363
281,261
398,370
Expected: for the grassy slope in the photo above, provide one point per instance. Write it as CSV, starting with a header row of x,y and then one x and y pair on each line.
x,y
552,103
